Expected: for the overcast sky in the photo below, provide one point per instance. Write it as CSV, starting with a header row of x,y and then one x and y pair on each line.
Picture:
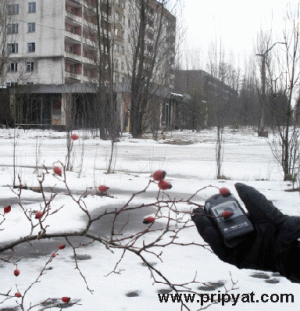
x,y
237,22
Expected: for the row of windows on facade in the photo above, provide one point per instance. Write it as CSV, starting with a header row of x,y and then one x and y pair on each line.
x,y
13,67
13,48
14,28
13,9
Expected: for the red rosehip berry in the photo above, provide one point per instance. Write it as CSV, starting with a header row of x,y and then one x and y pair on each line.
x,y
39,215
7,209
53,255
225,192
159,175
61,246
164,185
148,220
74,136
57,170
18,294
103,189
226,214
65,299
16,272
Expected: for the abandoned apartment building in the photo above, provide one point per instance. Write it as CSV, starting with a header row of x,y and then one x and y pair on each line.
x,y
53,54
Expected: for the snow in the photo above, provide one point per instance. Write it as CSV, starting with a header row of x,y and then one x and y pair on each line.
x,y
189,160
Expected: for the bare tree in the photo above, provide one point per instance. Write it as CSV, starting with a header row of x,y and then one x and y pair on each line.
x,y
152,55
197,108
216,68
282,83
4,100
107,35
99,48
249,110
224,85
103,61
3,39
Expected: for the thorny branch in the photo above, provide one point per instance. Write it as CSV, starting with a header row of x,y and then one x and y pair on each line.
x,y
170,218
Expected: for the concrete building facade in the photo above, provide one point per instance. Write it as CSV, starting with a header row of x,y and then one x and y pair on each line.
x,y
212,91
53,50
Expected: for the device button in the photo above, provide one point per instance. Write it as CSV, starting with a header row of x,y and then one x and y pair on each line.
x,y
226,214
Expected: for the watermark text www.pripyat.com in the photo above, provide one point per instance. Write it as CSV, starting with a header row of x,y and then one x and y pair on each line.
x,y
226,298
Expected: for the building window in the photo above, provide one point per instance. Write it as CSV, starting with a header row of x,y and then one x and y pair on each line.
x,y
12,28
30,47
31,7
69,48
11,84
13,9
13,67
29,66
12,48
31,27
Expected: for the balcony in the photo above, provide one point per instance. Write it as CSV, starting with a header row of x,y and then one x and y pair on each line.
x,y
89,37
90,3
73,17
89,61
74,7
89,70
74,10
73,70
91,42
72,76
73,30
87,24
72,49
89,55
90,16
106,9
73,56
76,3
73,36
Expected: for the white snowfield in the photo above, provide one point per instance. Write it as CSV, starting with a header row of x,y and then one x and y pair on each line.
x,y
189,160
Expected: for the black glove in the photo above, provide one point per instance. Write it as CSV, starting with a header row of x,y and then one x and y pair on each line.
x,y
272,247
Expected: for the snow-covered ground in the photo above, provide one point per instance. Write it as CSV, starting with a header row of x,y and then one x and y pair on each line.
x,y
189,160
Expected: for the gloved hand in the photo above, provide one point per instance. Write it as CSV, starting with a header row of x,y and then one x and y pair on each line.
x,y
272,247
